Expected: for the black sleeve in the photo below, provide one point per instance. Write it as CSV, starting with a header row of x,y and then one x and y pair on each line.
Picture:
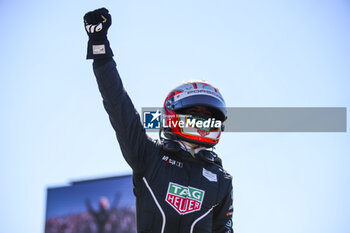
x,y
133,141
222,215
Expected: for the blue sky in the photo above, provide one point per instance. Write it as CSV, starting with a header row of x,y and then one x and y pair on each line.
x,y
288,53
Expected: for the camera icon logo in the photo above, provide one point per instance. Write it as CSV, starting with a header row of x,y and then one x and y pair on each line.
x,y
152,119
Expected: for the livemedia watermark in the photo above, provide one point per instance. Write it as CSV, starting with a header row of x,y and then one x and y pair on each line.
x,y
154,119
259,119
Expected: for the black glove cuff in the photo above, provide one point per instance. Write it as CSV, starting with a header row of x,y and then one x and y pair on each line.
x,y
98,49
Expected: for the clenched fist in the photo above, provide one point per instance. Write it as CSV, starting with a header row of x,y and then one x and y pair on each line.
x,y
96,24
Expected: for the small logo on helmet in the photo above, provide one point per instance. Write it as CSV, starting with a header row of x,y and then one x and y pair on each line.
x,y
151,119
203,133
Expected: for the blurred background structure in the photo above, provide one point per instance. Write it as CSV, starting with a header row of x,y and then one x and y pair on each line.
x,y
92,206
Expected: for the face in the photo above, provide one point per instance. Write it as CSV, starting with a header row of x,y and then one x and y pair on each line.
x,y
200,111
104,202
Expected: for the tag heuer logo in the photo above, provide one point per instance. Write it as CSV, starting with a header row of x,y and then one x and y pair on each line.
x,y
184,199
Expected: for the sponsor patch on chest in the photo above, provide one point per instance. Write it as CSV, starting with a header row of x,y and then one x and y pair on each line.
x,y
172,161
184,199
209,175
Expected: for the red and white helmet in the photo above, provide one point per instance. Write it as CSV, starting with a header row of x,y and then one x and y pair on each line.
x,y
186,96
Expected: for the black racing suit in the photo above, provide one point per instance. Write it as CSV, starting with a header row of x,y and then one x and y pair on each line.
x,y
174,191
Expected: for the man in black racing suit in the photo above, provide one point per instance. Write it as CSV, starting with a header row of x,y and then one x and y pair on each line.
x,y
179,185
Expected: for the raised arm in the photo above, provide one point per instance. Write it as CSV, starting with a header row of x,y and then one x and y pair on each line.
x,y
125,120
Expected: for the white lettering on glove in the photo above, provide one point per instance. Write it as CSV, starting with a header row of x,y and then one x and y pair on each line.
x,y
93,28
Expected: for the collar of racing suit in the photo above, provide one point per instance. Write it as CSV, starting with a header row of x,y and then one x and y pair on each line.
x,y
179,149
190,147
